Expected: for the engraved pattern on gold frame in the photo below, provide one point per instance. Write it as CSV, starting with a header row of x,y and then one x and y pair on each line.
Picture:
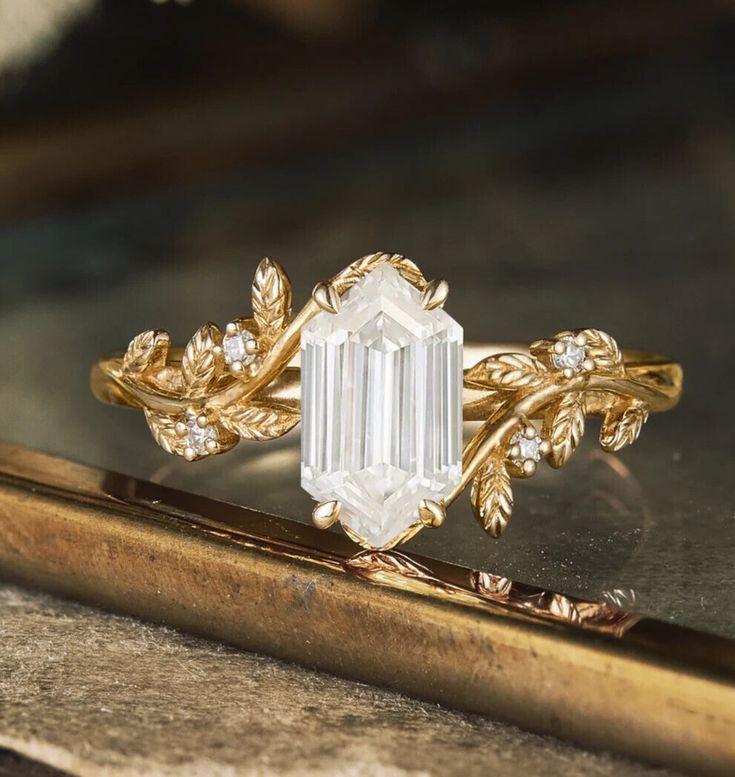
x,y
200,401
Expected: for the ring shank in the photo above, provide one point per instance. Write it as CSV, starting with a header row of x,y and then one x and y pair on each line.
x,y
656,377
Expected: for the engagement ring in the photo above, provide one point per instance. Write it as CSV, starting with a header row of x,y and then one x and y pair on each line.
x,y
377,373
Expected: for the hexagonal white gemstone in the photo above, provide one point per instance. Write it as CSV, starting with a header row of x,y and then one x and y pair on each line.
x,y
381,405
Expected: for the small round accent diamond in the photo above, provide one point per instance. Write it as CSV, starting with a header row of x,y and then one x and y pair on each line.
x,y
530,448
197,437
239,347
571,358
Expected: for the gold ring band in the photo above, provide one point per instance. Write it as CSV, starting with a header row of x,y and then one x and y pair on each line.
x,y
246,383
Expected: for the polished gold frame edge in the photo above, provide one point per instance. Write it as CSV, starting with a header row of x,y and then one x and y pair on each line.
x,y
651,690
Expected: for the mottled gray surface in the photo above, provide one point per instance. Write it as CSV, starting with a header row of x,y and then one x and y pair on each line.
x,y
98,694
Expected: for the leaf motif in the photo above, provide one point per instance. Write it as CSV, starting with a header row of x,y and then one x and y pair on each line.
x,y
271,300
492,497
163,429
602,348
567,428
506,371
605,351
564,608
382,565
262,420
541,349
147,351
366,264
622,425
200,364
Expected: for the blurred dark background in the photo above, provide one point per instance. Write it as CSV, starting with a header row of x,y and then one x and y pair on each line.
x,y
561,163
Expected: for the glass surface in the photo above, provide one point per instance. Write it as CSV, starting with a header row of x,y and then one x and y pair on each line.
x,y
652,528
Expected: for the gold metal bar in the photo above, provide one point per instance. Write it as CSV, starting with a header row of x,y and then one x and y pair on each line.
x,y
541,660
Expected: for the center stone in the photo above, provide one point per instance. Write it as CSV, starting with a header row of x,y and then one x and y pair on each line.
x,y
381,406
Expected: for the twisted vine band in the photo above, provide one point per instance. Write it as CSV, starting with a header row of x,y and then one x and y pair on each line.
x,y
373,366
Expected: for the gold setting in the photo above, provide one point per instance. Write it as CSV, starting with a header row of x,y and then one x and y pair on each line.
x,y
533,404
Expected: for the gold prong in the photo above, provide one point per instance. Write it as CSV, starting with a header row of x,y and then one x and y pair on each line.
x,y
325,514
217,350
211,446
529,432
529,467
189,454
545,448
231,329
326,297
435,294
202,421
515,452
568,373
181,428
581,340
251,347
559,347
588,365
431,513
236,368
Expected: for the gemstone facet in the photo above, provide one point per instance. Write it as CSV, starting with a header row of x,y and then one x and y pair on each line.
x,y
197,437
235,347
571,358
530,449
381,407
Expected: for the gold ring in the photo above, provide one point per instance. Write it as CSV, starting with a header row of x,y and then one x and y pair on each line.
x,y
378,373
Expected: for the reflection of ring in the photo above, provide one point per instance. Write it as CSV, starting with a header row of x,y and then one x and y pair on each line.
x,y
382,393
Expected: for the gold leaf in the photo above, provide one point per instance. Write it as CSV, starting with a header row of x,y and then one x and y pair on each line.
x,y
492,497
601,347
261,420
200,364
541,349
567,428
605,351
384,566
147,351
564,608
366,264
271,299
622,425
163,429
506,371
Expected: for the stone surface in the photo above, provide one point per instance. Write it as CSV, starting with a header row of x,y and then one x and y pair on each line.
x,y
530,448
197,437
381,406
572,356
235,348
104,696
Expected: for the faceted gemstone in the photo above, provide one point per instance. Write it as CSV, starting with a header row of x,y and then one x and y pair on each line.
x,y
235,348
381,406
571,358
197,437
530,448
